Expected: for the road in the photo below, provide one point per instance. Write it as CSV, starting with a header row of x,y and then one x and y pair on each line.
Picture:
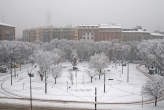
x,y
25,107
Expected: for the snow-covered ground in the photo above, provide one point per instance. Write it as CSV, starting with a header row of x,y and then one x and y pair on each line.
x,y
118,90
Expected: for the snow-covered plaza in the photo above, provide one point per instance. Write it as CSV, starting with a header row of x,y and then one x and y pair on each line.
x,y
117,89
83,75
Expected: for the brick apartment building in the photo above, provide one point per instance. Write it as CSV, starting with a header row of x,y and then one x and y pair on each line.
x,y
81,32
107,33
46,34
135,34
89,32
7,32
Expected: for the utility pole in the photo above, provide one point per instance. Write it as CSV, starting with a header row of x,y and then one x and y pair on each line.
x,y
95,98
45,83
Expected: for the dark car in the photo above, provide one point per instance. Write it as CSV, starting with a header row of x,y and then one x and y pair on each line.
x,y
3,69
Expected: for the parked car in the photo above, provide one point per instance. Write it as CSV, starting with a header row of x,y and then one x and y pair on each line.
x,y
3,69
15,66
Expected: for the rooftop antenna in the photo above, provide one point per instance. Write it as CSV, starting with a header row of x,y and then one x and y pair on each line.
x,y
48,18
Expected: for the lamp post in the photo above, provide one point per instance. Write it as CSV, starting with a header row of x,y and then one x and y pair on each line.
x,y
11,72
95,98
30,76
104,81
45,83
128,72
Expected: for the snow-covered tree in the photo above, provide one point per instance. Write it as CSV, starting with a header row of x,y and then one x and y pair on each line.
x,y
99,62
154,87
58,56
91,74
84,49
71,77
74,60
44,59
56,71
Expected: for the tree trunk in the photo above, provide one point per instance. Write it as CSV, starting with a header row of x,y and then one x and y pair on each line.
x,y
91,79
55,80
41,77
100,74
20,66
156,101
99,77
14,68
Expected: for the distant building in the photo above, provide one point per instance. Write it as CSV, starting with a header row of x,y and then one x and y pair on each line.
x,y
107,33
156,35
135,34
88,32
46,34
96,33
99,32
7,32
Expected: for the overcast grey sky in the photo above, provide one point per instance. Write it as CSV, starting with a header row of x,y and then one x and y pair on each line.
x,y
33,13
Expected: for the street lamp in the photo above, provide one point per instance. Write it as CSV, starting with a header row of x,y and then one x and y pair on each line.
x,y
127,72
30,76
105,79
95,98
11,72
45,82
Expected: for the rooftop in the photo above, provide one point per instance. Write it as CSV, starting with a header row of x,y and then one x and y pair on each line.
x,y
109,26
4,24
157,34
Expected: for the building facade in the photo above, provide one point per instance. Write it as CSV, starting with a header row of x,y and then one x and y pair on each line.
x,y
46,34
7,32
138,34
135,36
108,33
89,32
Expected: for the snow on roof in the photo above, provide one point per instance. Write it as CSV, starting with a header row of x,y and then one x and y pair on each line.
x,y
109,26
157,34
4,24
87,25
139,30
